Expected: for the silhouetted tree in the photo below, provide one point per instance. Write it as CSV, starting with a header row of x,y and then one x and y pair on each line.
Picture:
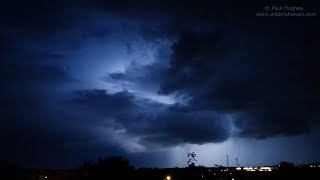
x,y
191,159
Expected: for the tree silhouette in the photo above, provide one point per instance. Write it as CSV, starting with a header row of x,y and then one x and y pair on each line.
x,y
191,159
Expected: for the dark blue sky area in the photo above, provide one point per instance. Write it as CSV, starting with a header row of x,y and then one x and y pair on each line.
x,y
154,80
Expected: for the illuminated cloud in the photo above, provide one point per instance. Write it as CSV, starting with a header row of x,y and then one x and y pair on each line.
x,y
156,78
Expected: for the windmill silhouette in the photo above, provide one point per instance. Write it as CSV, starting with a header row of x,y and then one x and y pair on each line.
x,y
237,163
227,163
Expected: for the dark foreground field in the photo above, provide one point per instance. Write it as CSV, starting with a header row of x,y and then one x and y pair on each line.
x,y
117,168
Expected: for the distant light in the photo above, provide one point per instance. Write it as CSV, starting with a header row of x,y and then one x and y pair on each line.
x,y
168,178
248,169
46,177
210,170
238,168
232,179
265,168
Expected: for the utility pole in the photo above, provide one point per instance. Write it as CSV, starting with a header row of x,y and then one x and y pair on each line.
x,y
237,162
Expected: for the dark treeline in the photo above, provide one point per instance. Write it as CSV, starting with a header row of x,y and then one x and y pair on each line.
x,y
106,168
120,168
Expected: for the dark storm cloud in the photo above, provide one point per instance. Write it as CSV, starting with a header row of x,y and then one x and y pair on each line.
x,y
43,18
155,123
29,74
36,129
37,126
100,101
174,128
29,129
190,11
265,77
36,17
268,81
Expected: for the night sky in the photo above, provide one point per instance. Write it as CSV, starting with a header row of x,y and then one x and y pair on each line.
x,y
154,80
